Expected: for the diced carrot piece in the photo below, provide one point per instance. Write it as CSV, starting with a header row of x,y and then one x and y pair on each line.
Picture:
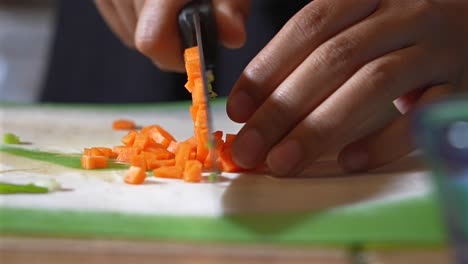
x,y
152,164
161,136
193,171
93,162
139,161
87,152
171,172
107,152
201,120
147,129
173,147
160,154
198,92
135,175
123,124
229,139
117,149
193,70
129,138
189,85
183,154
99,151
193,112
193,155
192,54
127,154
218,135
141,141
202,141
192,141
214,152
225,162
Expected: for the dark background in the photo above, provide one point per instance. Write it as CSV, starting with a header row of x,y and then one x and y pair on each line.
x,y
89,64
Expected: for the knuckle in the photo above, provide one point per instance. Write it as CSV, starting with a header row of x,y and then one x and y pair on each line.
x,y
277,110
380,74
319,127
280,107
428,12
338,51
146,45
308,22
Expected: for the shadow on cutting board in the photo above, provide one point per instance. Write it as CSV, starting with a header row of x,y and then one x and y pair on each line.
x,y
320,188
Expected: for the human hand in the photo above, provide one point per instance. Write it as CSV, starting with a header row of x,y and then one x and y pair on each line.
x,y
337,64
151,26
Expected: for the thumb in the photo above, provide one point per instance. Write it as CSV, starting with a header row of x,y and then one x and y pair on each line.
x,y
230,17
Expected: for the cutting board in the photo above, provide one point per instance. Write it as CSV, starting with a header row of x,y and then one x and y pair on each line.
x,y
393,206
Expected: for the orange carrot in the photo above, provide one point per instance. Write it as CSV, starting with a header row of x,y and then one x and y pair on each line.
x,y
229,139
117,149
218,135
214,152
171,172
129,138
93,162
192,54
202,144
193,112
107,152
198,93
183,154
127,154
139,161
141,141
193,171
123,124
225,162
161,136
159,153
173,147
192,141
135,175
152,164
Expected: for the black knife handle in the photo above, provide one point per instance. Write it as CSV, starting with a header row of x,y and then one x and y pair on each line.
x,y
208,28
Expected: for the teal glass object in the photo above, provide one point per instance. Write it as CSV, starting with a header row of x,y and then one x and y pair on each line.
x,y
441,131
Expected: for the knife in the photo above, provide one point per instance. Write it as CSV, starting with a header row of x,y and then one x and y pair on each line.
x,y
198,28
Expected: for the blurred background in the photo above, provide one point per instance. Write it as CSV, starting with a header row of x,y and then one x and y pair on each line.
x,y
62,51
26,30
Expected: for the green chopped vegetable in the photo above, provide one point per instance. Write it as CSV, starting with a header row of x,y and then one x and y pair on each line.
x,y
212,177
6,188
52,185
9,138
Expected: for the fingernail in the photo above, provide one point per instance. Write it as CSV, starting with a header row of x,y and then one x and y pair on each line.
x,y
285,158
354,161
247,149
241,106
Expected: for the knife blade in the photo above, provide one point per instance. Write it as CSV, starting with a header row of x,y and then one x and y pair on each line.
x,y
198,28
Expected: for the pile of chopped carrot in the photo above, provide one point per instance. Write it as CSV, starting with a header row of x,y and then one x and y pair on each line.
x,y
154,149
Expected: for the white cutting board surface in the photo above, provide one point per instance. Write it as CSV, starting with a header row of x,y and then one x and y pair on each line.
x,y
70,129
